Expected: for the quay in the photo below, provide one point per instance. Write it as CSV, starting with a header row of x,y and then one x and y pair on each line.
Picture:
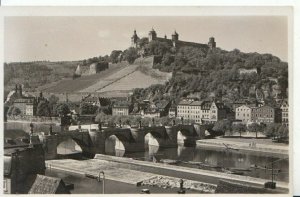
x,y
132,171
245,145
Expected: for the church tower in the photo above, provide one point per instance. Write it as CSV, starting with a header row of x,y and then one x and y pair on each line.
x,y
152,35
134,39
212,43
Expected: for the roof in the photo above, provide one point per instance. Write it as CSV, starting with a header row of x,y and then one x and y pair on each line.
x,y
91,99
196,103
15,143
220,105
48,185
206,105
24,100
184,102
162,104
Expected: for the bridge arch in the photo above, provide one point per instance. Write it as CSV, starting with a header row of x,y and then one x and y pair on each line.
x,y
79,144
118,141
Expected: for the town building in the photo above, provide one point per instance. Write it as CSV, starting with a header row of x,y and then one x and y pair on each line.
x,y
183,109
173,111
285,112
195,111
120,109
201,112
48,185
23,159
243,113
26,104
266,114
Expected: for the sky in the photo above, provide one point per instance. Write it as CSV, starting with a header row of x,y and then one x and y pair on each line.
x,y
65,38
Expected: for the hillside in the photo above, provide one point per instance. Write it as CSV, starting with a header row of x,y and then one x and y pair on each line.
x,y
35,74
216,73
120,77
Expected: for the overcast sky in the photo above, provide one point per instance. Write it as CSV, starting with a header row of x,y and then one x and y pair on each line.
x,y
76,38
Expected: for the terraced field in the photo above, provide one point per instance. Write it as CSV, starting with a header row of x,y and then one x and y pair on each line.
x,y
118,79
70,85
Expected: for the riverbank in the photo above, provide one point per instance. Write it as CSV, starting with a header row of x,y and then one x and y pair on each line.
x,y
136,172
255,145
120,173
195,174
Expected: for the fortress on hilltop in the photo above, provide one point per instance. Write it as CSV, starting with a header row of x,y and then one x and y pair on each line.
x,y
174,41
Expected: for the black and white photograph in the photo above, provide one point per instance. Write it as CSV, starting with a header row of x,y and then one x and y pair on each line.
x,y
144,101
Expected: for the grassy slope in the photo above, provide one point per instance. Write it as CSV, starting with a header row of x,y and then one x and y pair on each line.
x,y
119,77
70,85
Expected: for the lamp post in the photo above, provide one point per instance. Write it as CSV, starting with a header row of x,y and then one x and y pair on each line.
x,y
103,182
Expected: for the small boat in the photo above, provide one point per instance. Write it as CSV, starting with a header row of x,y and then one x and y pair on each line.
x,y
240,169
232,171
208,165
263,168
169,161
230,148
193,162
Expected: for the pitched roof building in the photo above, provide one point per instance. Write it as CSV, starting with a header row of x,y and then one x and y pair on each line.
x,y
48,185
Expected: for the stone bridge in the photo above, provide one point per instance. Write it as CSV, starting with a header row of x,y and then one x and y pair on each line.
x,y
96,141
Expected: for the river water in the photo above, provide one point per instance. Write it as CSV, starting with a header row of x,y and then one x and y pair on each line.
x,y
215,159
219,157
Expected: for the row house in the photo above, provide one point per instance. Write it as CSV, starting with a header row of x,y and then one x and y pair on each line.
x,y
243,113
121,109
27,105
264,114
201,111
285,113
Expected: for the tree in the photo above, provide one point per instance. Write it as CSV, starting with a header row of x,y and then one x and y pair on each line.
x,y
16,111
239,128
223,126
130,55
114,56
86,108
283,131
62,109
52,102
43,109
254,127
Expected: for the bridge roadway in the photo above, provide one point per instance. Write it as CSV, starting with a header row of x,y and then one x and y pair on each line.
x,y
129,139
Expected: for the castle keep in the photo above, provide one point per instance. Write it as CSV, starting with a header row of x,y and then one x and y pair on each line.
x,y
174,41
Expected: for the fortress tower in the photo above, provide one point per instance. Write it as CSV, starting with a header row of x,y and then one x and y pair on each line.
x,y
175,36
134,39
211,43
152,35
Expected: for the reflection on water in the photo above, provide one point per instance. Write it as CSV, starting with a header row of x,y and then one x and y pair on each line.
x,y
221,158
216,157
